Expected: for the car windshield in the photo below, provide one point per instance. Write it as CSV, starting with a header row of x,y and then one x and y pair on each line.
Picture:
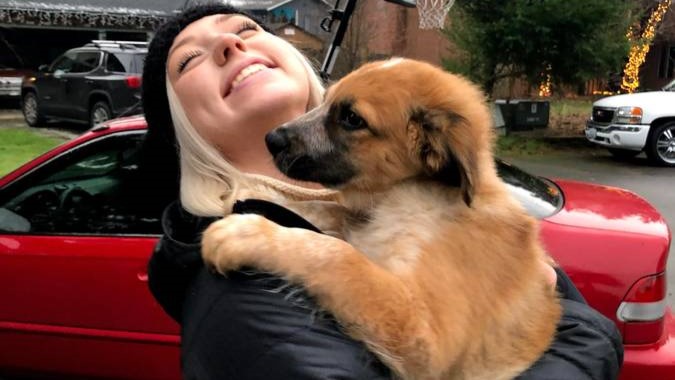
x,y
540,197
670,87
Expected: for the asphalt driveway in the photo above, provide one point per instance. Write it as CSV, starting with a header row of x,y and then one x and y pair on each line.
x,y
655,184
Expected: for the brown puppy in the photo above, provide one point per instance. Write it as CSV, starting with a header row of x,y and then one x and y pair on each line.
x,y
440,272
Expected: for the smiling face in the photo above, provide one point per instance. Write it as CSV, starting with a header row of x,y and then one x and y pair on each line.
x,y
236,82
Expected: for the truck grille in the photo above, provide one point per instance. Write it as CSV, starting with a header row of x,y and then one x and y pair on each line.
x,y
603,115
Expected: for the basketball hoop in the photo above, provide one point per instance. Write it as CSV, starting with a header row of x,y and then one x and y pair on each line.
x,y
432,13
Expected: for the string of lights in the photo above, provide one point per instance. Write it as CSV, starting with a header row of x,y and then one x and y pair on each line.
x,y
640,45
545,84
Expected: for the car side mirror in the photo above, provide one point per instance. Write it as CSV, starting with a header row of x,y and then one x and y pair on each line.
x,y
43,68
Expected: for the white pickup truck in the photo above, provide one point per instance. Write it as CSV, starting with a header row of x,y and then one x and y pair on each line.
x,y
631,123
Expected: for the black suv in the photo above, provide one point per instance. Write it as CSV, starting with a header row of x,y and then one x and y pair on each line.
x,y
90,84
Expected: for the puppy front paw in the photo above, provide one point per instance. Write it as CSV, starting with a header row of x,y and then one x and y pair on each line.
x,y
236,240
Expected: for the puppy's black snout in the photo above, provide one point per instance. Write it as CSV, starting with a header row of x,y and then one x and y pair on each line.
x,y
277,141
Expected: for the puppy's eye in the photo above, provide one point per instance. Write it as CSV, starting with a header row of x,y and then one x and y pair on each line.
x,y
351,121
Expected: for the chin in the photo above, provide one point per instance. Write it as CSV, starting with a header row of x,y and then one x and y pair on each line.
x,y
281,104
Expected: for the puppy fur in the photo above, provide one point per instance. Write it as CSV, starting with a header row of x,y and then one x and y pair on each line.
x,y
440,270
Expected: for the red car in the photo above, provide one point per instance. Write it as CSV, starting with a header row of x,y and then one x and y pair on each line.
x,y
73,260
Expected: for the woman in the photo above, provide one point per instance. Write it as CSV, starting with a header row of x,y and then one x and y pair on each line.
x,y
215,82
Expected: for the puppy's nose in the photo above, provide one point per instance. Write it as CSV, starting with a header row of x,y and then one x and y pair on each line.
x,y
277,140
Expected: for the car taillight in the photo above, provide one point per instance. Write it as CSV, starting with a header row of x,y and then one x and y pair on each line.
x,y
133,81
643,310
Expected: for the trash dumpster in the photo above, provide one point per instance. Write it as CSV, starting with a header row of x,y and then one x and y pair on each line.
x,y
523,114
498,120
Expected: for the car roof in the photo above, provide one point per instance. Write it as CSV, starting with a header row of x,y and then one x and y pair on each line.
x,y
110,50
140,47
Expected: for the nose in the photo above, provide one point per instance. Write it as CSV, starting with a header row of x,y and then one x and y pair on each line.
x,y
277,141
226,45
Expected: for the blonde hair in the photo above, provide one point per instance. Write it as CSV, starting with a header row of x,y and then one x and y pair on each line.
x,y
205,175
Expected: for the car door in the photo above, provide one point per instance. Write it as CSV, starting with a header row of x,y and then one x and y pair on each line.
x,y
78,84
51,85
73,280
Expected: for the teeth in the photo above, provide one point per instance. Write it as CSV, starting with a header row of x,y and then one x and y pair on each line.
x,y
246,72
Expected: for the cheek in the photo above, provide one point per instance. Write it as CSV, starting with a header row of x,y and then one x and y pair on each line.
x,y
201,102
195,85
294,70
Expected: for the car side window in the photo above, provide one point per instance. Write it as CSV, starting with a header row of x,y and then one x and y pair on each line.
x,y
85,191
86,61
63,64
114,65
131,63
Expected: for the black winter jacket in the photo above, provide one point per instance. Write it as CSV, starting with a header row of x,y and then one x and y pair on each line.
x,y
250,326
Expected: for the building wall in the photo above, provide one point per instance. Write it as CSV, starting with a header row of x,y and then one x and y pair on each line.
x,y
427,45
309,44
398,34
309,15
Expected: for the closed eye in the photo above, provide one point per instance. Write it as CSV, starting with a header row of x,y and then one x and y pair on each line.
x,y
246,26
186,59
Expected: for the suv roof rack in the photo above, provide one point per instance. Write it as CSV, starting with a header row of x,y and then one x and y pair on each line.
x,y
118,44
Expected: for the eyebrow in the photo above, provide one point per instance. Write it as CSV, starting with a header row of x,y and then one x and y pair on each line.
x,y
220,19
181,43
223,18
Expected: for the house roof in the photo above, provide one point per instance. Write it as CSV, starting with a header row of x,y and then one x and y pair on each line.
x,y
121,14
134,7
278,27
106,14
257,5
130,7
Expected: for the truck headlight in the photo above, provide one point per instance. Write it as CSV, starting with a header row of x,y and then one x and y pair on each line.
x,y
628,115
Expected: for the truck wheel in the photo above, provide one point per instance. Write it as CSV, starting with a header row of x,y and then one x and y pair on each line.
x,y
31,112
99,113
623,154
661,145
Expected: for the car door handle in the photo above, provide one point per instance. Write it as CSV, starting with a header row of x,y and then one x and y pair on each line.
x,y
89,81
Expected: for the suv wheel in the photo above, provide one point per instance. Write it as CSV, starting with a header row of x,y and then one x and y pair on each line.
x,y
99,113
661,145
623,154
30,110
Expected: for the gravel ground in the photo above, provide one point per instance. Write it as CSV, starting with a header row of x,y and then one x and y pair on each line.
x,y
14,119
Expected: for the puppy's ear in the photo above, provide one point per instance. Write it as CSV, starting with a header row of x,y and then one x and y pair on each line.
x,y
441,142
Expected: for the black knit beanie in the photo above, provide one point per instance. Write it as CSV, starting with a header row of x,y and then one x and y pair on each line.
x,y
159,159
